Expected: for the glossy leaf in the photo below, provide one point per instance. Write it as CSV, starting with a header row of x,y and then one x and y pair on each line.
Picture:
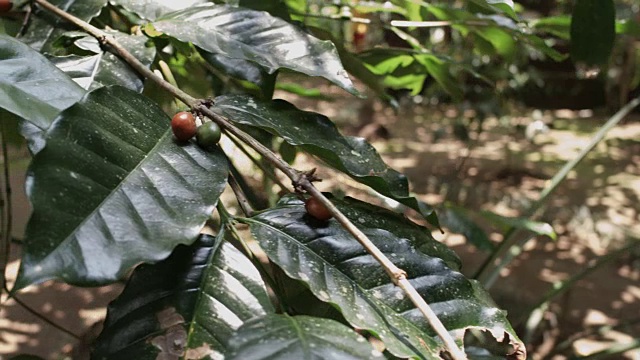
x,y
45,28
593,31
258,37
112,189
198,297
32,87
317,135
338,270
104,68
151,10
282,337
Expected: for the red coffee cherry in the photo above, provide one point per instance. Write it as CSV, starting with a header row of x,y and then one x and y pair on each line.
x,y
317,209
184,126
5,6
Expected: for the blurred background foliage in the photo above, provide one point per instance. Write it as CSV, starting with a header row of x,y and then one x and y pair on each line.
x,y
480,103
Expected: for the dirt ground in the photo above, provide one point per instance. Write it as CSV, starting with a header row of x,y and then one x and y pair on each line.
x,y
594,212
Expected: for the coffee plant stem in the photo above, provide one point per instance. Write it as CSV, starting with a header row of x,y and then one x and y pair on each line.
x,y
298,178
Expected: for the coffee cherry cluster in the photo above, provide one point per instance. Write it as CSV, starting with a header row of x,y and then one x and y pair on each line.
x,y
184,128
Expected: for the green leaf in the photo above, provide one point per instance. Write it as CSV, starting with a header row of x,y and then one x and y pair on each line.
x,y
408,70
276,337
112,189
317,135
593,31
46,27
555,25
338,270
502,41
104,68
32,87
151,10
198,296
440,70
412,9
256,36
399,69
458,221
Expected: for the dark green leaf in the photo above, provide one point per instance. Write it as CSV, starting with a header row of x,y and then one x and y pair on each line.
x,y
593,31
458,221
104,68
282,337
338,270
288,152
32,87
317,135
256,36
112,189
198,296
151,10
11,127
45,28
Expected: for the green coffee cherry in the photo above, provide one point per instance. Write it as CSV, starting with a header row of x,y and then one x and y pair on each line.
x,y
208,134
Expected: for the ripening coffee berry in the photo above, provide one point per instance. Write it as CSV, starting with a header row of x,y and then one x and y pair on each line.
x,y
5,6
183,125
317,209
208,134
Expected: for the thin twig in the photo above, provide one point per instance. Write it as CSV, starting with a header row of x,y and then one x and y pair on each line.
x,y
299,179
245,206
7,213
